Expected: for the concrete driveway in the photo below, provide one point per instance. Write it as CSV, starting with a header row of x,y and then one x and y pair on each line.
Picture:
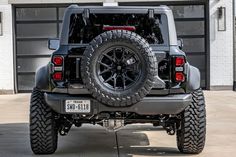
x,y
132,141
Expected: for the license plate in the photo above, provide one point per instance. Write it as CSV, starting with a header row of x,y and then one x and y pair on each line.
x,y
78,106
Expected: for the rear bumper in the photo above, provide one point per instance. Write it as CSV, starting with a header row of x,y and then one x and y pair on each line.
x,y
170,104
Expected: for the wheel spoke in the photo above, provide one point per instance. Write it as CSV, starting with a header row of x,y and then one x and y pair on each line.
x,y
129,56
105,71
114,55
123,80
109,79
128,78
123,55
105,65
109,57
115,79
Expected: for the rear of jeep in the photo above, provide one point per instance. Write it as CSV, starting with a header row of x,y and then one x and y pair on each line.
x,y
115,66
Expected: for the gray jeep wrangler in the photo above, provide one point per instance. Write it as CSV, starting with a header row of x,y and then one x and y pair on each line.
x,y
115,66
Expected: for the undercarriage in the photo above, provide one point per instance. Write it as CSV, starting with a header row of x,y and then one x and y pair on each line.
x,y
117,120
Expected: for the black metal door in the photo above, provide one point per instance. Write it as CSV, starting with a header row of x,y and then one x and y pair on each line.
x,y
34,24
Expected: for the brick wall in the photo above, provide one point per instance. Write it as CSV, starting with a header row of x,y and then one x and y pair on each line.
x,y
221,45
6,50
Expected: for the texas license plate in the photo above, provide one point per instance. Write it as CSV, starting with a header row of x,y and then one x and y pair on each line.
x,y
78,106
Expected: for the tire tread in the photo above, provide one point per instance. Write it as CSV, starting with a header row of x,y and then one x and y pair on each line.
x,y
43,132
192,132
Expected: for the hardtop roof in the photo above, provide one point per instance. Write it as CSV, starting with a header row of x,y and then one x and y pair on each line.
x,y
160,8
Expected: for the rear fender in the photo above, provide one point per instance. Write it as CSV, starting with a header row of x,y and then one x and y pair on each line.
x,y
42,78
193,78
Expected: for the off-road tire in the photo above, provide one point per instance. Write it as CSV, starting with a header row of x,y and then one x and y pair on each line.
x,y
192,130
99,91
43,130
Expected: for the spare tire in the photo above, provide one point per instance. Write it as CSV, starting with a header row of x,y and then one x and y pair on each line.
x,y
118,68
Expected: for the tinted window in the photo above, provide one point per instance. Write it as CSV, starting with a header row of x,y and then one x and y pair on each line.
x,y
83,30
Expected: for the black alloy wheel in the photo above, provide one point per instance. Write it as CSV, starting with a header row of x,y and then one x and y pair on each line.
x,y
119,68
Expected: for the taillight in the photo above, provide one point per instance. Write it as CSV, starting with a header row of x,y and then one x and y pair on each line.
x,y
179,61
179,75
57,68
57,60
57,76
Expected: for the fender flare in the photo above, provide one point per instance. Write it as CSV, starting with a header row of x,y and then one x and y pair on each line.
x,y
42,78
193,78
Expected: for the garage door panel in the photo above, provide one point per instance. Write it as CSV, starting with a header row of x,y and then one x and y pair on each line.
x,y
198,61
61,13
194,45
203,78
188,11
33,47
190,27
60,27
28,14
36,30
25,82
31,64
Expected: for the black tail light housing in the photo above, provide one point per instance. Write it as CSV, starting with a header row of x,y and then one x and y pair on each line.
x,y
57,67
178,69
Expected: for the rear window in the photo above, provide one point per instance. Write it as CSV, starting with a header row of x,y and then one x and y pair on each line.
x,y
83,30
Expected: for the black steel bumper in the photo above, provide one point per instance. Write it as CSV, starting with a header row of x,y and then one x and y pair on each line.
x,y
170,104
